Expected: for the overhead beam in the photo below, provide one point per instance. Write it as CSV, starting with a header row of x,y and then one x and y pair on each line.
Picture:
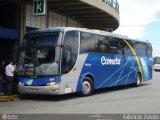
x,y
72,8
61,5
78,9
100,25
80,12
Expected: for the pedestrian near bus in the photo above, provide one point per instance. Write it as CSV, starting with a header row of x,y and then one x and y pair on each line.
x,y
9,71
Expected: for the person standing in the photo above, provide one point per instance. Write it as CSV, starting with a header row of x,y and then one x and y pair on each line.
x,y
9,71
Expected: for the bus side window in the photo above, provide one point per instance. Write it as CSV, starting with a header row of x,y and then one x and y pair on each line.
x,y
101,44
140,49
115,45
70,51
87,43
126,49
149,49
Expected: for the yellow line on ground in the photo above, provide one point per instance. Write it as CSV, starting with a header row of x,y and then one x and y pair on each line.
x,y
12,97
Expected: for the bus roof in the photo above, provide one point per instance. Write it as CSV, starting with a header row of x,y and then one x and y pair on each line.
x,y
95,31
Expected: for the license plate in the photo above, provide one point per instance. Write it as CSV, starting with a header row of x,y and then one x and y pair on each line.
x,y
34,90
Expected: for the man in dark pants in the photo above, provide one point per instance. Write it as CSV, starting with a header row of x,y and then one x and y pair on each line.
x,y
9,71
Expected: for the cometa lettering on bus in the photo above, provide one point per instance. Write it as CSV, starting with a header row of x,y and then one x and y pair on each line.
x,y
106,61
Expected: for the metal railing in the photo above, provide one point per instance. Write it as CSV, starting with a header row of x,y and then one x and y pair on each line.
x,y
113,3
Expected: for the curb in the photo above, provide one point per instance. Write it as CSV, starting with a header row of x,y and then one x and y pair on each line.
x,y
12,97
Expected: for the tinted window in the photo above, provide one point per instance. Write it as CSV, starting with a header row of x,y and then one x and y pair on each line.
x,y
87,42
140,49
149,49
94,43
70,51
102,44
115,45
126,49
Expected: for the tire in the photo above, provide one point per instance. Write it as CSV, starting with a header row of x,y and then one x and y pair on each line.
x,y
87,87
138,80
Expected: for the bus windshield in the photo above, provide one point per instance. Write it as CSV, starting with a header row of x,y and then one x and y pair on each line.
x,y
157,60
40,55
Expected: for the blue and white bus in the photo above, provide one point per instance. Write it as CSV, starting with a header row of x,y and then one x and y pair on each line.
x,y
65,60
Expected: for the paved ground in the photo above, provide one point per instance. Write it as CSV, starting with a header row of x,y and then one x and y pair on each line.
x,y
144,99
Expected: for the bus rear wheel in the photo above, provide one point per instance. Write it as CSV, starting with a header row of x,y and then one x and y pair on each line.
x,y
138,80
87,87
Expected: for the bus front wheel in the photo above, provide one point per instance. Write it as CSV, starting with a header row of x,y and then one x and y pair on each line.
x,y
87,87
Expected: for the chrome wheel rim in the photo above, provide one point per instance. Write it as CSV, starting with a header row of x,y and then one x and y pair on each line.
x,y
138,80
86,87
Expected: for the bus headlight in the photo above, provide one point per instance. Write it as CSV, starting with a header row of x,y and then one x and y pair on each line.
x,y
51,84
20,83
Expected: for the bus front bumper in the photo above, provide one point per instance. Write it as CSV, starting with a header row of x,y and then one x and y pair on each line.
x,y
44,90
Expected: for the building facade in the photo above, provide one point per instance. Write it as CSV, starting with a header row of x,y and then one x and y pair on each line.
x,y
17,18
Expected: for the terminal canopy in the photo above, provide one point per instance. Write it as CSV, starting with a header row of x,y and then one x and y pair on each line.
x,y
92,14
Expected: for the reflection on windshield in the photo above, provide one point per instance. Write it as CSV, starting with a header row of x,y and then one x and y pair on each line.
x,y
41,40
39,61
40,54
